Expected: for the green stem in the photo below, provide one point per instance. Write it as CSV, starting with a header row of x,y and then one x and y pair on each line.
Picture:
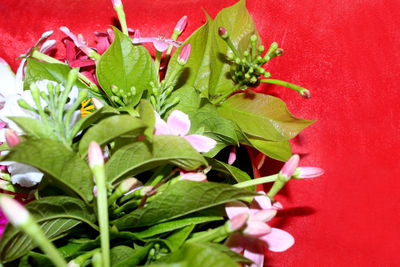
x,y
221,98
292,86
174,36
232,47
210,235
36,233
277,186
102,209
122,19
36,98
261,180
43,57
82,95
157,64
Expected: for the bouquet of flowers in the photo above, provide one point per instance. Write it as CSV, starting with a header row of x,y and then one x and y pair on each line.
x,y
113,158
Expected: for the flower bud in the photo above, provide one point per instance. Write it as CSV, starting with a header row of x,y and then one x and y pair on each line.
x,y
12,138
181,25
184,54
97,103
223,32
307,172
95,155
305,93
116,3
14,211
290,167
194,176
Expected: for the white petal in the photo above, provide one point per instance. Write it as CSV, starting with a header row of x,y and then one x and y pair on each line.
x,y
178,123
24,175
278,240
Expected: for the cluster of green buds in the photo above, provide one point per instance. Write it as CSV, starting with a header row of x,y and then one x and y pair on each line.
x,y
122,97
156,252
247,69
54,107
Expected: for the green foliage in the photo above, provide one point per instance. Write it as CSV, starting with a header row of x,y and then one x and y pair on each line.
x,y
126,65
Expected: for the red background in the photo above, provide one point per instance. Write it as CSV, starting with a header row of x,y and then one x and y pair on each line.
x,y
347,54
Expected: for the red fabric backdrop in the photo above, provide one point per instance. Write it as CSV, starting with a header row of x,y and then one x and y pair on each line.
x,y
347,54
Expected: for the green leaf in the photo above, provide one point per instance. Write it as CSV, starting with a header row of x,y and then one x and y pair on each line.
x,y
233,255
276,150
178,237
197,69
33,127
180,199
109,129
35,259
262,116
141,156
200,255
175,224
125,65
120,253
69,171
236,173
146,112
56,217
135,258
36,71
240,25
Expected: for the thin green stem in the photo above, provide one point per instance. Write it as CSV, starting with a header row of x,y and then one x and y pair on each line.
x,y
82,95
261,180
221,98
232,47
122,19
292,86
174,36
157,64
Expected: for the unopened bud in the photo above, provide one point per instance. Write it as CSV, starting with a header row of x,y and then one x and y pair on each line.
x,y
308,172
95,155
12,138
116,3
184,54
181,25
97,103
305,93
290,167
279,52
16,213
223,32
128,184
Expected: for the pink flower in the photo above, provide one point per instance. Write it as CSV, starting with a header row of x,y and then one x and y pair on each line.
x,y
161,43
232,156
95,155
178,123
290,166
257,234
193,176
78,41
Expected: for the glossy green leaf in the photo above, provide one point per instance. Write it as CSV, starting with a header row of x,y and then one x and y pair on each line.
x,y
70,172
33,127
141,156
277,150
138,255
240,25
177,239
109,129
120,253
197,69
56,217
175,224
180,199
262,116
36,71
125,65
200,255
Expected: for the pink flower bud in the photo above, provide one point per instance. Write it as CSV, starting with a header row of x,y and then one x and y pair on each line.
x,y
308,172
116,3
14,211
223,32
95,155
238,221
184,54
181,25
97,103
194,176
305,93
290,166
2,124
129,184
12,138
232,156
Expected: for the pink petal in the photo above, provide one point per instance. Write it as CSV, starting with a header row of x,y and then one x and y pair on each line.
x,y
232,156
308,172
172,42
261,202
254,251
178,123
238,221
263,215
194,176
102,42
160,126
201,143
236,242
235,208
277,205
290,166
278,240
160,45
257,228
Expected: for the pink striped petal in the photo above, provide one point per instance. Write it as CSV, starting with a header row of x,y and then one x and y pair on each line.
x,y
160,126
178,123
235,208
254,251
257,228
278,240
200,142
